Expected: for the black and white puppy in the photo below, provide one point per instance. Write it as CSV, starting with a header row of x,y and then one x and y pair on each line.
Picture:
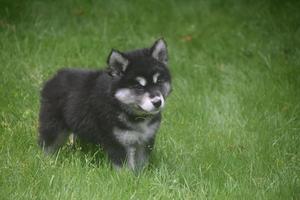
x,y
118,108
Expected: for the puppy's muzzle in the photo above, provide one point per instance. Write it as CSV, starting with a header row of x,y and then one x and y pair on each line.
x,y
156,101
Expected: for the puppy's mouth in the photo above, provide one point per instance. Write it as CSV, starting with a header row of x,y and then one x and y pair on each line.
x,y
142,111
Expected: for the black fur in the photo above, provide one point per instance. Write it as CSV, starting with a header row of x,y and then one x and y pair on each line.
x,y
82,102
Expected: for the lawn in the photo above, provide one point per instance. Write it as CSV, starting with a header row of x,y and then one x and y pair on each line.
x,y
230,130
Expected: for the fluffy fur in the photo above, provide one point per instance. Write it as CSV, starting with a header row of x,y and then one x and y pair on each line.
x,y
118,108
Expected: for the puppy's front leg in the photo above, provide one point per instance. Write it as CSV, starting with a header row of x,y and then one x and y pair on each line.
x,y
117,155
141,157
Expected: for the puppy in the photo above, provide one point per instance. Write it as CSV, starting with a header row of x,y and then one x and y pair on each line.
x,y
118,108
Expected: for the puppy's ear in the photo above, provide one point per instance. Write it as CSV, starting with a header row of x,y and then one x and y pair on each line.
x,y
159,51
117,62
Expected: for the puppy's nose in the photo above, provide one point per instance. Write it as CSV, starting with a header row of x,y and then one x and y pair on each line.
x,y
156,103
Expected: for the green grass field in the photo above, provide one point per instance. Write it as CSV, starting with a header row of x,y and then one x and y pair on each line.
x,y
231,128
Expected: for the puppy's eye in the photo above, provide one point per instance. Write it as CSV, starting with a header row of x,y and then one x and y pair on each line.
x,y
159,80
138,86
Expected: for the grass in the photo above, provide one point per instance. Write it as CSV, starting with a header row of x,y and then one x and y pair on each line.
x,y
231,127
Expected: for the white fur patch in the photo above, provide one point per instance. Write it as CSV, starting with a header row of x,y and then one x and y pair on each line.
x,y
155,77
140,133
144,101
142,81
147,103
166,89
134,140
125,96
131,151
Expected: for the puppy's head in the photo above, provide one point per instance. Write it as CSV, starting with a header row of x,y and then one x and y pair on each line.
x,y
143,78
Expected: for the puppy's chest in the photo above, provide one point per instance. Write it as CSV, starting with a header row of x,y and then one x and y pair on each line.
x,y
138,133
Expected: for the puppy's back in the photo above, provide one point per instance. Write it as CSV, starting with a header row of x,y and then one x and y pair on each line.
x,y
66,81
